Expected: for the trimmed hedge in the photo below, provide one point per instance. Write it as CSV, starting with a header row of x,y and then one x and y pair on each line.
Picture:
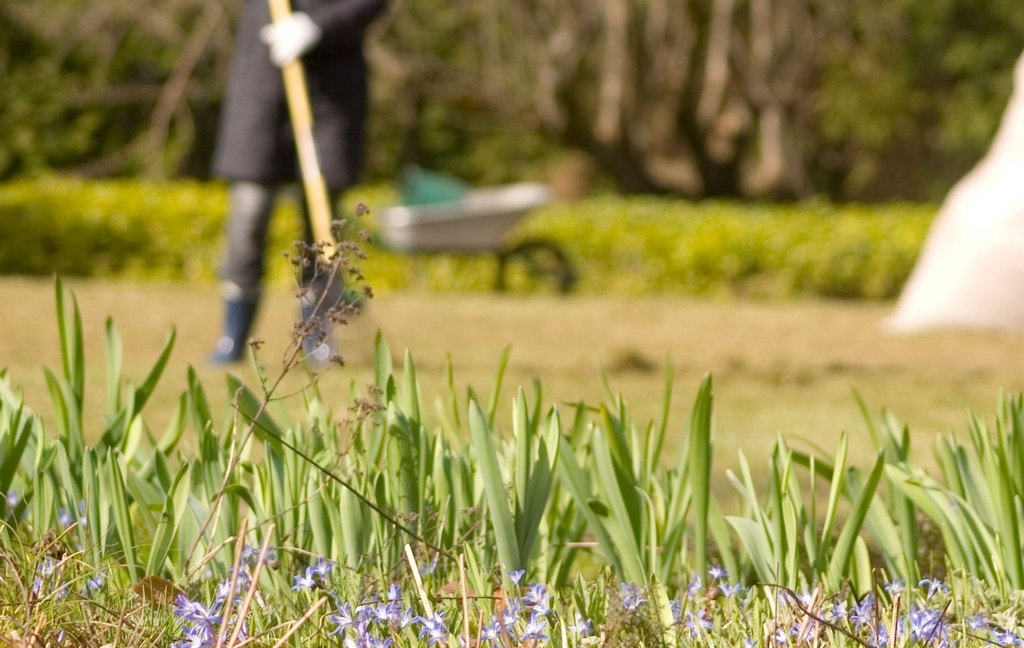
x,y
619,245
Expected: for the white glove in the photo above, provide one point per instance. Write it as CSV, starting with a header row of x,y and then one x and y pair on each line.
x,y
290,37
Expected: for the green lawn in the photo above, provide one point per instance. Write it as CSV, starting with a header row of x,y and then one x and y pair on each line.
x,y
780,367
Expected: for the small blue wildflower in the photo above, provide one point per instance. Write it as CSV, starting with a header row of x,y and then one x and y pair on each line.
x,y
934,585
581,627
895,586
516,576
836,612
697,622
433,629
977,622
1006,638
64,518
537,598
926,625
535,628
717,572
730,590
749,642
632,597
251,555
342,619
195,612
676,605
322,569
428,568
782,635
492,632
12,498
510,613
304,581
864,612
49,576
695,586
394,592
196,637
314,576
806,598
95,582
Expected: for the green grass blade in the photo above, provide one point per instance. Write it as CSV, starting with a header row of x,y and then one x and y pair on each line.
x,y
699,470
486,454
573,477
495,399
72,354
115,363
145,390
115,495
163,536
843,552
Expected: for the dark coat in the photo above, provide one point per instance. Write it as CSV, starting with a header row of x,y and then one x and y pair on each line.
x,y
255,141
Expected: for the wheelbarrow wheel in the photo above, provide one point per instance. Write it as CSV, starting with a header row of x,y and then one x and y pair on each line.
x,y
542,261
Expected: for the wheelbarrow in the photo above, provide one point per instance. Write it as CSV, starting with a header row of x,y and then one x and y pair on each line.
x,y
453,220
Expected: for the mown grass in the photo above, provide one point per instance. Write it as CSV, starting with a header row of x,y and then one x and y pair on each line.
x,y
786,368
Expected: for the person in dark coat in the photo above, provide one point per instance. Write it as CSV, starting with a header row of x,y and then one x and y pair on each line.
x,y
255,148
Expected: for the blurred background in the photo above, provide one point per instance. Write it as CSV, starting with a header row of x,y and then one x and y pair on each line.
x,y
852,100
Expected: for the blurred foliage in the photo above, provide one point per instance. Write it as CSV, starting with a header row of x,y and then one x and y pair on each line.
x,y
861,100
618,245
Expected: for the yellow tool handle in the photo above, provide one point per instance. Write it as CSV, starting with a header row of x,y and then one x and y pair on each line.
x,y
313,183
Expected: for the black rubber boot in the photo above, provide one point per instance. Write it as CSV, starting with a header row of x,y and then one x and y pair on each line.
x,y
238,318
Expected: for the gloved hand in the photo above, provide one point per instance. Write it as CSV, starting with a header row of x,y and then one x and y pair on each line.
x,y
291,37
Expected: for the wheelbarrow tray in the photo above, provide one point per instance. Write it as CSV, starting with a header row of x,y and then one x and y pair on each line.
x,y
477,222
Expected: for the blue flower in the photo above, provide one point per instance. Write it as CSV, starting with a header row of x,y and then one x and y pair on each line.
x,y
632,597
428,568
516,576
322,569
697,622
492,632
95,582
676,605
314,576
581,627
535,628
695,586
537,598
934,585
895,586
342,619
196,637
433,629
864,612
717,572
836,611
195,612
1006,638
729,590
977,622
926,625
304,581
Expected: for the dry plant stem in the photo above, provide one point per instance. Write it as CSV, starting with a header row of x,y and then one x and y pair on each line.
x,y
424,599
229,600
235,454
253,584
465,597
896,600
301,621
